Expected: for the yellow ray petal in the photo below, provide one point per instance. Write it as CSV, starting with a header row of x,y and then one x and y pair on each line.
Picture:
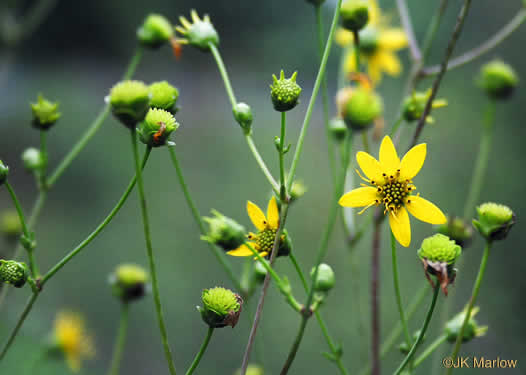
x,y
413,161
369,165
241,251
388,157
273,213
343,37
256,215
400,226
389,62
360,197
392,39
424,210
350,62
374,13
374,69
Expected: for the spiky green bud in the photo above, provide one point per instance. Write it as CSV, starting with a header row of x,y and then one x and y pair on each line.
x,y
129,282
156,128
243,115
362,108
13,272
4,171
439,248
129,101
325,279
224,232
252,370
494,221
10,224
198,33
163,96
285,93
453,327
155,31
415,104
354,14
338,129
45,113
498,79
221,307
457,230
33,159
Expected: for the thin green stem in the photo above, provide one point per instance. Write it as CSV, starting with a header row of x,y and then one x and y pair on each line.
x,y
416,54
120,340
396,282
283,183
224,73
356,41
199,355
199,220
43,184
422,331
472,301
149,250
261,163
97,230
433,28
365,142
312,101
430,349
295,346
299,271
477,179
396,125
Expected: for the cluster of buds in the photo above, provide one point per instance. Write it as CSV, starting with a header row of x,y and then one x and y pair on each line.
x,y
453,327
14,273
438,254
494,221
285,92
221,307
224,232
129,282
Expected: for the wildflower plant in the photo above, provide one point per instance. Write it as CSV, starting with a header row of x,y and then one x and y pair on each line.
x,y
371,46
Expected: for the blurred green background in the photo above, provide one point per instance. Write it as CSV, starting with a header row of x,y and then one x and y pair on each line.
x,y
82,49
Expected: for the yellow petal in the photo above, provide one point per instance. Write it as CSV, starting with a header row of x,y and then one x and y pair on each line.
x,y
439,103
400,226
374,13
369,165
392,39
256,215
343,37
389,62
374,69
424,210
350,62
413,161
241,251
273,213
360,197
388,157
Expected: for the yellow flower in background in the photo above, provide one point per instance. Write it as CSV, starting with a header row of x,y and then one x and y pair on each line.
x,y
378,44
393,187
72,339
267,226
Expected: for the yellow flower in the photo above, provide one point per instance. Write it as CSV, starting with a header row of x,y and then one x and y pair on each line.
x,y
378,44
267,226
72,339
393,187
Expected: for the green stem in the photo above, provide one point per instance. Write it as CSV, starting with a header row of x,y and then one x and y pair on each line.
x,y
199,220
396,282
261,163
312,101
396,125
422,331
120,341
365,142
43,185
356,41
295,346
432,29
472,301
97,230
405,18
199,355
149,250
477,179
430,349
283,186
224,74
299,271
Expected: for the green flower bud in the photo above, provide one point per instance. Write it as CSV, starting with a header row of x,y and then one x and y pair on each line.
x,y
224,232
156,128
163,96
10,225
415,104
129,101
498,79
285,93
198,33
338,129
243,116
45,113
369,40
129,282
221,307
32,158
453,327
260,271
354,14
325,279
494,221
155,31
252,369
4,171
297,190
457,230
14,273
362,108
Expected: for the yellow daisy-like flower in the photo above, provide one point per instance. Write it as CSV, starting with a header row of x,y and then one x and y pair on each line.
x,y
267,226
378,44
393,187
72,339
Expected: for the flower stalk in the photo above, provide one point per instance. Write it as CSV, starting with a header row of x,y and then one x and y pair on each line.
x,y
201,352
120,340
